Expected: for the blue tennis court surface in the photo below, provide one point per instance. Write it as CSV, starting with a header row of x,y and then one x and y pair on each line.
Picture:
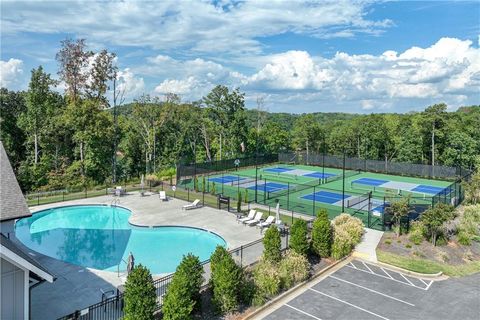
x,y
319,175
429,189
325,197
370,181
225,179
277,170
269,187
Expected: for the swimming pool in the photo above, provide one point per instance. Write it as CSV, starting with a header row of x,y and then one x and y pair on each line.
x,y
99,237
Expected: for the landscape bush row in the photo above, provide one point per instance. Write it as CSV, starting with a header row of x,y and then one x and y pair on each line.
x,y
232,288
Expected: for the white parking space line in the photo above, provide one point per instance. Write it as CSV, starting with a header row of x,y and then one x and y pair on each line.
x,y
388,274
367,267
351,265
428,287
303,312
374,291
389,278
406,279
348,303
423,282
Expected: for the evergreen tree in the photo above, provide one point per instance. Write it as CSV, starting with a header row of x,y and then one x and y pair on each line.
x,y
272,245
298,237
140,296
322,234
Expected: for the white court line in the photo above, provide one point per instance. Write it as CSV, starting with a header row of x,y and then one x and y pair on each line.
x,y
367,267
348,303
406,279
301,311
379,275
374,291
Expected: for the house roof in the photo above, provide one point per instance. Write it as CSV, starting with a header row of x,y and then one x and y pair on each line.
x,y
12,252
12,202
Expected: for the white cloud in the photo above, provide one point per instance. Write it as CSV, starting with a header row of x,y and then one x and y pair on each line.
x,y
10,71
201,26
131,85
449,71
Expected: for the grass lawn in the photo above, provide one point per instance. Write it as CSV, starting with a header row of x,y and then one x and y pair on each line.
x,y
428,266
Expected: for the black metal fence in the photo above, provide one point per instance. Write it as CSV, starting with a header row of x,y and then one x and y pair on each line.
x,y
112,308
193,169
388,167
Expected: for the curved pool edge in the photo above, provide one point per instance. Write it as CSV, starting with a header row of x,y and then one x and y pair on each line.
x,y
134,225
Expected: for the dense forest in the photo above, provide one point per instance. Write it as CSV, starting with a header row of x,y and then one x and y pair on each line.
x,y
88,136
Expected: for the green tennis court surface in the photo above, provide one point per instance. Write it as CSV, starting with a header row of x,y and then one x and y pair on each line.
x,y
305,189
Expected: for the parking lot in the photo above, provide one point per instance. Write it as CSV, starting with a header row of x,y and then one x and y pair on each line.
x,y
362,290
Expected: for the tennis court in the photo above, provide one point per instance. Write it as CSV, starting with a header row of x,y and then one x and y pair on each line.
x,y
305,189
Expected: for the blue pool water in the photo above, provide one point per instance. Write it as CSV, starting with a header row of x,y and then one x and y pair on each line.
x,y
100,237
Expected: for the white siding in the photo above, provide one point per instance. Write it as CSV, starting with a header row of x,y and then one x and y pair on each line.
x,y
13,292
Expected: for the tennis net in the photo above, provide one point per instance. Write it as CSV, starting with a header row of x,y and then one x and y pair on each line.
x,y
341,176
293,188
360,202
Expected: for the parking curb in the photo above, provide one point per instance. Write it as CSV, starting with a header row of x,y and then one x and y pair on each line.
x,y
295,288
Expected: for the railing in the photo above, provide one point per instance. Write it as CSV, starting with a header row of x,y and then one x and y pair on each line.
x,y
112,308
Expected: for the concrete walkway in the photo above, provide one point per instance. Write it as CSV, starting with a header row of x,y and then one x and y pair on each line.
x,y
366,249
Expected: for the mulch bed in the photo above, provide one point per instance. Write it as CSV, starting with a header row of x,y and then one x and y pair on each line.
x,y
452,253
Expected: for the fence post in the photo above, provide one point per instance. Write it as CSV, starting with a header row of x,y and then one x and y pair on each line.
x,y
241,256
313,213
188,194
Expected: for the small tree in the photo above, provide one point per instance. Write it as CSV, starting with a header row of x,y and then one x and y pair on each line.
x,y
239,202
195,184
272,245
183,293
226,281
213,189
472,188
434,218
245,199
203,184
322,234
298,237
399,209
140,296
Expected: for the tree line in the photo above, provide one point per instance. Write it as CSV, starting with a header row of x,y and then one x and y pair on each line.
x,y
88,135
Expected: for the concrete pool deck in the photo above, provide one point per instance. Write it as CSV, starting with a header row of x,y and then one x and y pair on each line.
x,y
77,287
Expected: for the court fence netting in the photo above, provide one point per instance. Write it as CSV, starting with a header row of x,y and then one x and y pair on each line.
x,y
252,187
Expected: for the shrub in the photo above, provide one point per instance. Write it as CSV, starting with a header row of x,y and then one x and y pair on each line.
x,y
183,293
353,226
213,189
293,269
226,281
217,256
195,184
388,241
342,244
408,246
267,281
434,220
322,234
347,232
245,199
469,224
239,202
399,209
203,184
417,232
140,296
298,237
272,245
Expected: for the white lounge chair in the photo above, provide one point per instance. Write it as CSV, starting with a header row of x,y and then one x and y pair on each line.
x,y
193,205
163,196
250,216
267,222
258,218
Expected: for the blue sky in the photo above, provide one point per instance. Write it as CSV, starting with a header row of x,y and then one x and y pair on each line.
x,y
361,56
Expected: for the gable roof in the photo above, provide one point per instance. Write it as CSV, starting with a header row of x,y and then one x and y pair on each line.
x,y
12,252
12,202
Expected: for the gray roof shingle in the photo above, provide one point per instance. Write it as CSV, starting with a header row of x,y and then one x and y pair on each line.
x,y
12,202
